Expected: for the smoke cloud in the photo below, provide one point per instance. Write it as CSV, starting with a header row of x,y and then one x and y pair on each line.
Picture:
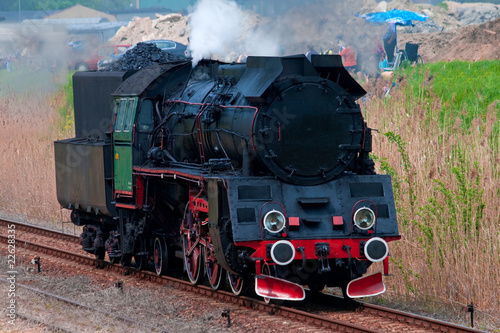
x,y
220,29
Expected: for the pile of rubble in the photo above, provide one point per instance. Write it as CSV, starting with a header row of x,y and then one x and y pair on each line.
x,y
141,29
140,56
468,43
473,13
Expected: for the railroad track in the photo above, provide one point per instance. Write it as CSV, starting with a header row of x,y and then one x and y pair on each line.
x,y
368,314
37,230
80,305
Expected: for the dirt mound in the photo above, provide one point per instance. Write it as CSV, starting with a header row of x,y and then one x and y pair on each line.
x,y
472,42
141,29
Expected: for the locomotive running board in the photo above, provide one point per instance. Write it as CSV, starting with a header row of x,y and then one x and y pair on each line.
x,y
274,288
366,286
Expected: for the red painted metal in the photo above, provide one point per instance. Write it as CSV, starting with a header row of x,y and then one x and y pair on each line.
x,y
386,265
309,245
369,285
168,172
139,192
199,205
338,221
293,221
127,206
274,288
127,194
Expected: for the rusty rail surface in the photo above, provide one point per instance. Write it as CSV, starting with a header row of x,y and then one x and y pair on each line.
x,y
38,230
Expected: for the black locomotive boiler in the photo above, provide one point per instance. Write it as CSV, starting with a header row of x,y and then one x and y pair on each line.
x,y
257,173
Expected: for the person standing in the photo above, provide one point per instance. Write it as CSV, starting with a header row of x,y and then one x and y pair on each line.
x,y
349,57
350,60
389,38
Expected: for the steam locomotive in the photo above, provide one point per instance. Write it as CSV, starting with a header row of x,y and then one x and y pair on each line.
x,y
257,173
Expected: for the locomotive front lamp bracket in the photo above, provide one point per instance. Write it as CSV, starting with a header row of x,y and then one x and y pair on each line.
x,y
274,221
364,218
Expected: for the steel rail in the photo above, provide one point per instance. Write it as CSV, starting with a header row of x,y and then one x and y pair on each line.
x,y
36,229
294,314
412,319
85,306
311,319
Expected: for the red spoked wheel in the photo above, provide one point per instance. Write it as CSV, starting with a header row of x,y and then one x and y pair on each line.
x,y
213,269
193,256
235,282
160,256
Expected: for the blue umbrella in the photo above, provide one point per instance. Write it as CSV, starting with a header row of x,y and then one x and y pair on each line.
x,y
395,16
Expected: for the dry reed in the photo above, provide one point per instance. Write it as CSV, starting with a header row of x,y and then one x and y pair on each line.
x,y
448,205
27,172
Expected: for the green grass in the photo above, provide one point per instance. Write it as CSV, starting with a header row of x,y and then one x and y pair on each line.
x,y
66,108
466,91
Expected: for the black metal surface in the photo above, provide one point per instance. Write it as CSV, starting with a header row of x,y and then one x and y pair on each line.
x,y
259,74
83,174
330,67
314,205
304,129
93,102
310,133
142,80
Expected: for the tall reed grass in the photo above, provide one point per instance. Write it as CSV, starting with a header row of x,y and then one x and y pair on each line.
x,y
439,138
28,127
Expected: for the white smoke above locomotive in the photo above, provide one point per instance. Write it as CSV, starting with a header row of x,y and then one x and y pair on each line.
x,y
220,29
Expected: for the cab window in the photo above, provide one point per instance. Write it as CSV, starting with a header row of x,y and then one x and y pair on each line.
x,y
145,117
120,115
128,119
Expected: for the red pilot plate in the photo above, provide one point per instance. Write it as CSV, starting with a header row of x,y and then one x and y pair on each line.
x,y
365,286
271,287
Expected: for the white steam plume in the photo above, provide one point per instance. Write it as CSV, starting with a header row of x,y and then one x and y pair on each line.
x,y
219,29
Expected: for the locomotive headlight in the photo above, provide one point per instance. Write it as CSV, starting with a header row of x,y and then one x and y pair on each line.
x,y
364,218
274,221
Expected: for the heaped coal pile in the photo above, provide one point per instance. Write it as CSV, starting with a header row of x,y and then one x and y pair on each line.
x,y
140,56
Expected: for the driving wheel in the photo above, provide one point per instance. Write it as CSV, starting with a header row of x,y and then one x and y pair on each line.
x,y
160,255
